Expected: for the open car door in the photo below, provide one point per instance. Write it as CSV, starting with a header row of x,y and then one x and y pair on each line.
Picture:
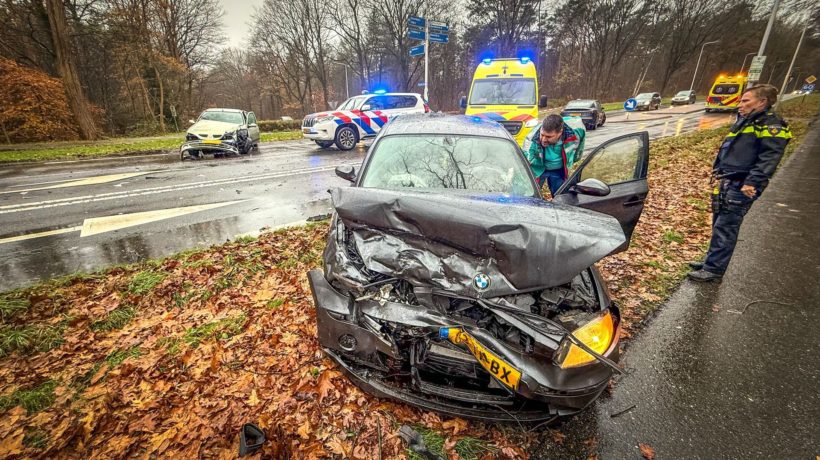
x,y
621,164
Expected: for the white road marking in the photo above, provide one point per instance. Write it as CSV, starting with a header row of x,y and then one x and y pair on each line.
x,y
79,182
12,239
99,225
7,209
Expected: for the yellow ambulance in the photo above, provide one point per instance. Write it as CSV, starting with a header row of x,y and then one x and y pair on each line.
x,y
506,91
725,93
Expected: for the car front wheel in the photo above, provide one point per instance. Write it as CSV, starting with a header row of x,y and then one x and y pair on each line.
x,y
346,138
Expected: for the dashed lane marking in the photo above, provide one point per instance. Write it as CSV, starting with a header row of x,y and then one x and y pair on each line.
x,y
79,182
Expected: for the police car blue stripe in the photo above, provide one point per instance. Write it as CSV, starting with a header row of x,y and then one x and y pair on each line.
x,y
367,129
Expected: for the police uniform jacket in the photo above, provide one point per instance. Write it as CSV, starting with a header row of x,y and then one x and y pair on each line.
x,y
753,149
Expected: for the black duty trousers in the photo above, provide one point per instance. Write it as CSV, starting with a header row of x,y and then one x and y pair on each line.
x,y
729,205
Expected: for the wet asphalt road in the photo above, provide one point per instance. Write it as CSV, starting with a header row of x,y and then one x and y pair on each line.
x,y
152,206
728,370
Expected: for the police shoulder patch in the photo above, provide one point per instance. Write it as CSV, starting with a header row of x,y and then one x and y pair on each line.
x,y
774,129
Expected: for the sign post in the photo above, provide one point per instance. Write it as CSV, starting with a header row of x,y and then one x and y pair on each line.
x,y
427,31
630,105
756,68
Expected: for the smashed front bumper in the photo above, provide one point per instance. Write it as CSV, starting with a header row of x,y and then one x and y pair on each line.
x,y
431,372
197,147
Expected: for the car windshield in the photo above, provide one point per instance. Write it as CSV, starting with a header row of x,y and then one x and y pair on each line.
x,y
643,96
730,88
682,94
503,91
580,105
352,103
448,161
227,117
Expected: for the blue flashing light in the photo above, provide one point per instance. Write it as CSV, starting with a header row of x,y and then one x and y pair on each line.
x,y
379,91
525,60
477,119
487,61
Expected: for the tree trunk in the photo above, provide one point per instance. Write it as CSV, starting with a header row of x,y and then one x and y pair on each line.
x,y
68,71
161,100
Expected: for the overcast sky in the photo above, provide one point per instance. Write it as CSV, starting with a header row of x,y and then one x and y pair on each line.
x,y
237,20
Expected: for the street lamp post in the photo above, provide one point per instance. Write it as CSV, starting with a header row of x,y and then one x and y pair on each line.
x,y
743,66
692,86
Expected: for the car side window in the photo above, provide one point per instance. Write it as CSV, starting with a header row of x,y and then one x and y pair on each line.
x,y
617,162
251,118
378,103
408,102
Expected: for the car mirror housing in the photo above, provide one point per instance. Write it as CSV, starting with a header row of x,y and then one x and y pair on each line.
x,y
191,121
463,102
542,103
347,172
592,187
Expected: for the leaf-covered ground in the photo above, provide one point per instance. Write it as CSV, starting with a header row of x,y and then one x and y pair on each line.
x,y
169,358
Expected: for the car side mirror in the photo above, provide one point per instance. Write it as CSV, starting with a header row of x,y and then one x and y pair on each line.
x,y
347,173
463,102
191,121
542,102
366,107
592,187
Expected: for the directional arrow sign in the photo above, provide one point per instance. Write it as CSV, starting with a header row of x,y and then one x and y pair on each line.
x,y
414,21
630,104
417,50
414,34
437,26
439,38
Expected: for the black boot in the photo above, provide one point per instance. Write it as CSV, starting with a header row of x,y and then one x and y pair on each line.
x,y
704,276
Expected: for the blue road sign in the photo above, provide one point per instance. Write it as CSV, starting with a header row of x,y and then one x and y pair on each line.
x,y
437,26
414,34
630,105
439,38
414,21
417,50
808,88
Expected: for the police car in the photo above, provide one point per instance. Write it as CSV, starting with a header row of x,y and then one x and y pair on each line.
x,y
359,117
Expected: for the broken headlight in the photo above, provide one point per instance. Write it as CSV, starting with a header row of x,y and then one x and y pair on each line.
x,y
597,334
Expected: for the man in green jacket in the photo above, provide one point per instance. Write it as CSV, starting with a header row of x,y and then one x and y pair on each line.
x,y
554,150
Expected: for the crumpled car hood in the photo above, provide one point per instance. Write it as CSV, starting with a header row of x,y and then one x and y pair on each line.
x,y
212,127
444,240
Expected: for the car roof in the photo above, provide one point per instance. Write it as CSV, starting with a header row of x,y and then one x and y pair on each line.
x,y
440,123
587,101
224,110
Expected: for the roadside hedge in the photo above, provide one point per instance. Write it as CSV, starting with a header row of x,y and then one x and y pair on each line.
x,y
278,125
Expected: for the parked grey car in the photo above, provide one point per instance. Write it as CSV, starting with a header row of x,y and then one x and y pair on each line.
x,y
450,284
648,101
684,97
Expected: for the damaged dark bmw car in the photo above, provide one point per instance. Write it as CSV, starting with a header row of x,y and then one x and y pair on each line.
x,y
451,285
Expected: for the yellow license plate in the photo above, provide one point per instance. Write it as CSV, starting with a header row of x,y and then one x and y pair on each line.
x,y
211,141
500,369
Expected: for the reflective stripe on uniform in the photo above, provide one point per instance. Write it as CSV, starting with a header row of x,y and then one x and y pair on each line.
x,y
746,130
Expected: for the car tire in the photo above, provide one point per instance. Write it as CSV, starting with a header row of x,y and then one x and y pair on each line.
x,y
246,147
323,144
346,138
604,120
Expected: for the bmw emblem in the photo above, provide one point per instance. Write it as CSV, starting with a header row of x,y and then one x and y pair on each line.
x,y
481,282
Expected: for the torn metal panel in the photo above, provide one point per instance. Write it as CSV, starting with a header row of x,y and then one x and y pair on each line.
x,y
445,241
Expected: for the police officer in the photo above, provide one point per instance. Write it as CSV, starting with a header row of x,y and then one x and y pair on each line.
x,y
745,162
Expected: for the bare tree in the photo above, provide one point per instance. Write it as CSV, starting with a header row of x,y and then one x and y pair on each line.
x,y
67,70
